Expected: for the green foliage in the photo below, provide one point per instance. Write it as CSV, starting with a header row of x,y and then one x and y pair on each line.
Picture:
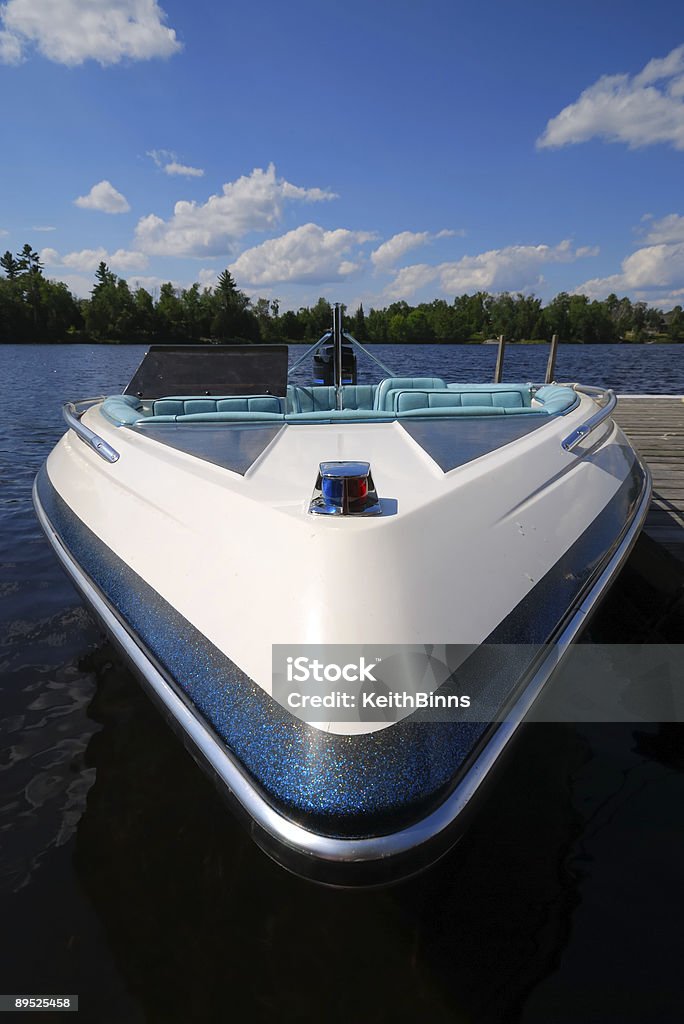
x,y
33,308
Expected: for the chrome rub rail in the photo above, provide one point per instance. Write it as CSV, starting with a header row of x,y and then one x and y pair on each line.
x,y
586,428
72,418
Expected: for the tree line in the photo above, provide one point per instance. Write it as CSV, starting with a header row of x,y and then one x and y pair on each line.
x,y
36,309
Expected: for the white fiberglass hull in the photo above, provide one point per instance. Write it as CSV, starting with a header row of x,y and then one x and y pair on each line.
x,y
197,570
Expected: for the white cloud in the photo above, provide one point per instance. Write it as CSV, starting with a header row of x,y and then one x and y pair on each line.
x,y
514,268
207,278
168,162
10,48
654,272
651,269
120,261
183,170
73,31
308,253
387,254
50,257
639,110
668,229
80,286
253,202
104,197
43,227
3,232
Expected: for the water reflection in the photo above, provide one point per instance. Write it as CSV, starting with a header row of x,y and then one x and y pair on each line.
x,y
196,914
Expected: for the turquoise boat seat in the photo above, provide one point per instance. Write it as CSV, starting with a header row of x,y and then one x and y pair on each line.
x,y
445,398
127,409
554,399
390,384
122,409
393,397
322,397
193,406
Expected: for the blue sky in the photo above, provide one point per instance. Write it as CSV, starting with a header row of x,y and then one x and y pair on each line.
x,y
366,151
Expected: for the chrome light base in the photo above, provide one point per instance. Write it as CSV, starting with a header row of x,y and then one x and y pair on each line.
x,y
345,489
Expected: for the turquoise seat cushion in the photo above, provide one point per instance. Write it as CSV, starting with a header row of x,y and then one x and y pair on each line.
x,y
322,397
454,410
122,409
359,396
191,405
222,416
447,398
555,398
339,415
403,384
509,391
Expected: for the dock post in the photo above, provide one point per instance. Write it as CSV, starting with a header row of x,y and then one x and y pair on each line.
x,y
551,365
498,373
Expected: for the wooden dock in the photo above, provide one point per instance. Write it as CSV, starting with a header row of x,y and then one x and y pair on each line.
x,y
655,426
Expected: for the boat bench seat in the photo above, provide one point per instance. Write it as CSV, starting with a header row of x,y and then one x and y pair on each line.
x,y
479,399
394,396
445,398
127,409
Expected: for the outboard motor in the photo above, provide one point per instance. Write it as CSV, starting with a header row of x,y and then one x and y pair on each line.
x,y
324,364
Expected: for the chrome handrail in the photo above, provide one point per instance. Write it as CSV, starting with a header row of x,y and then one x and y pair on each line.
x,y
72,417
586,428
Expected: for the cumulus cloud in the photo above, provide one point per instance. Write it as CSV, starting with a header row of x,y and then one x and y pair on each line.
x,y
650,270
254,202
390,252
169,164
514,268
122,260
104,197
654,272
73,31
668,229
639,110
306,254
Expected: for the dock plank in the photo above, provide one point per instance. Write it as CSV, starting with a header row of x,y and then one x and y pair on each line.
x,y
655,426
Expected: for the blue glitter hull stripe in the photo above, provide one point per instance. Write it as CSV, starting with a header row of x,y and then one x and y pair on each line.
x,y
345,786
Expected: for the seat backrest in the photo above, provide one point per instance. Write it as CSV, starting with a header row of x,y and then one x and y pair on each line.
x,y
321,398
191,405
409,401
403,383
509,395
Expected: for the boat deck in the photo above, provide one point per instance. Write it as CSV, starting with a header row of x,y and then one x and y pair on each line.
x,y
655,425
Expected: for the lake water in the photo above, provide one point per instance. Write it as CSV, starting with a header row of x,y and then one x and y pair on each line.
x,y
124,879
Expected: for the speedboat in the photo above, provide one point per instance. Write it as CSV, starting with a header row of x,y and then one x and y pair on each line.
x,y
345,597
